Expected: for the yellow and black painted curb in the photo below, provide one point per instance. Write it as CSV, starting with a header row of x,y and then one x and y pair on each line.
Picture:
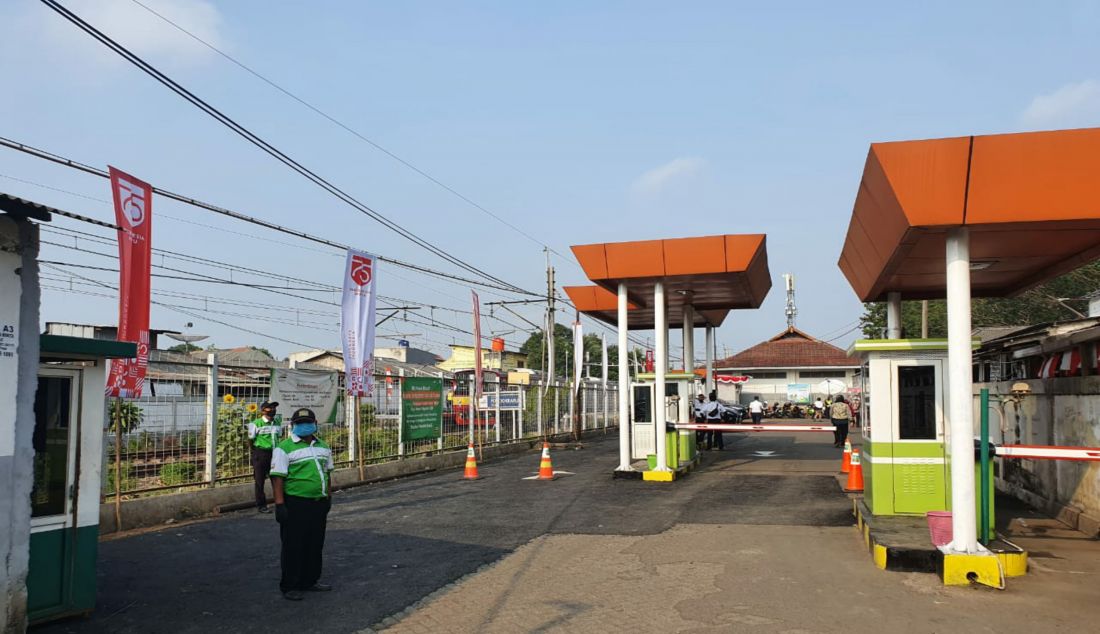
x,y
952,569
671,475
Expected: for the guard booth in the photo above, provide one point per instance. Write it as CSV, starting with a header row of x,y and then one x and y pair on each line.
x,y
906,468
70,418
680,390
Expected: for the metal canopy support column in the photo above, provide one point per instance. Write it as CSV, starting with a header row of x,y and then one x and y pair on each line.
x,y
960,382
708,382
661,336
893,315
624,386
689,339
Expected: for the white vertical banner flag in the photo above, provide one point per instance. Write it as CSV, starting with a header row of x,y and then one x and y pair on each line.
x,y
357,321
578,354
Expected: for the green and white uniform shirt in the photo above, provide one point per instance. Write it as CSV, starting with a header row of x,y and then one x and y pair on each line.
x,y
306,466
265,434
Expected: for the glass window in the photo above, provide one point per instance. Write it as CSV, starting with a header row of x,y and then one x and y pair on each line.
x,y
51,445
642,397
916,402
767,375
822,374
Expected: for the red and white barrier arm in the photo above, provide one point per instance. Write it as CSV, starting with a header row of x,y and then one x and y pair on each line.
x,y
732,427
1042,452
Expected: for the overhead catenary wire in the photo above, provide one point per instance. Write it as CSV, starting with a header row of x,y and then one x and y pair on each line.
x,y
352,131
265,146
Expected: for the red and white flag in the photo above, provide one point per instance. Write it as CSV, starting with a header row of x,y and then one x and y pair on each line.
x,y
477,348
357,321
133,214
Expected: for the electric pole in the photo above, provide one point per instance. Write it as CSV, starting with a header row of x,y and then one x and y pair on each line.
x,y
550,321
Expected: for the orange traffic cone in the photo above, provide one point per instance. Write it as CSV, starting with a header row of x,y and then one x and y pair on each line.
x,y
855,475
546,470
846,461
471,465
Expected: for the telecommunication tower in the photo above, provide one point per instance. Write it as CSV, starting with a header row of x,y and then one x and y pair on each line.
x,y
791,310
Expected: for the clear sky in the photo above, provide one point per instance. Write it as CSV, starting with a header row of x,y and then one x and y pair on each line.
x,y
576,121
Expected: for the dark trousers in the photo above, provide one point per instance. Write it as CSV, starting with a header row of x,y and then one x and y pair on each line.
x,y
303,537
715,437
757,417
840,431
261,470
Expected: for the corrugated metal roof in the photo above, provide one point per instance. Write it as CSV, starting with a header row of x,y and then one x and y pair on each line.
x,y
22,208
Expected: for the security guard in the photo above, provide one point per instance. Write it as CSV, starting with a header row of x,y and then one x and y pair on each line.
x,y
713,413
301,471
264,432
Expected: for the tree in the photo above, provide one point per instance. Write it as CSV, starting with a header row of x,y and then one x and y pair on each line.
x,y
1060,299
563,353
185,348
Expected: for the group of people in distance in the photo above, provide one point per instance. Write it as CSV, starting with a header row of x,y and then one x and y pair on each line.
x,y
841,414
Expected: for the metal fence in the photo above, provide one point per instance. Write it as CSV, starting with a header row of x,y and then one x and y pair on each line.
x,y
190,427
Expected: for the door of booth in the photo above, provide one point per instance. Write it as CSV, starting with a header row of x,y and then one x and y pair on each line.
x,y
918,450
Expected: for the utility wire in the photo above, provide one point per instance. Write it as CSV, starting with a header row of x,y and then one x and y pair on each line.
x,y
265,146
88,169
353,132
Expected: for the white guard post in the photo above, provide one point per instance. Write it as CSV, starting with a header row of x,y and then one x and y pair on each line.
x,y
709,342
660,410
963,514
624,386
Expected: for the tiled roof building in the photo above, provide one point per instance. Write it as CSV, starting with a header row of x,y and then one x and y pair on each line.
x,y
791,348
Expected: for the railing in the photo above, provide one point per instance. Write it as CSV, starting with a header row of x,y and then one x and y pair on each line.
x,y
190,428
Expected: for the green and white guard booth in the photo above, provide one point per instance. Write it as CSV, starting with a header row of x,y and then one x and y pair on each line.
x,y
680,390
905,458
70,415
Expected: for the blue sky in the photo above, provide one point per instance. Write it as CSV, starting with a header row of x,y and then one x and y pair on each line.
x,y
577,121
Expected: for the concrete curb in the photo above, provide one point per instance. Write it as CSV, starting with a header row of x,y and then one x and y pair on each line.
x,y
158,510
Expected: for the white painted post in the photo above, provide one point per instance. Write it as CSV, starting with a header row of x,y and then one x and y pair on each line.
x,y
538,410
573,405
661,366
689,341
893,314
557,408
624,386
472,420
584,406
212,400
603,379
400,412
964,522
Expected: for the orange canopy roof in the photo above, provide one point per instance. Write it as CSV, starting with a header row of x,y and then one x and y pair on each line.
x,y
602,304
1031,201
714,274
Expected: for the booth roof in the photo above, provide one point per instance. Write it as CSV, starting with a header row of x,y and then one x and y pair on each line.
x,y
711,273
1031,201
600,303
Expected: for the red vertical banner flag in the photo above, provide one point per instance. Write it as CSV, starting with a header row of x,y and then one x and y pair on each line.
x,y
133,214
477,350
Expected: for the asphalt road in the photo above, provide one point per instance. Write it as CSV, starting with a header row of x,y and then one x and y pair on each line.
x,y
391,544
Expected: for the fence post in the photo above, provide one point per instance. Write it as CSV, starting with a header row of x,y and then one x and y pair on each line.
x,y
212,419
557,408
517,420
442,397
496,412
538,411
400,412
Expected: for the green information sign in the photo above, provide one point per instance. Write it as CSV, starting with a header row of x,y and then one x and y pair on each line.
x,y
421,408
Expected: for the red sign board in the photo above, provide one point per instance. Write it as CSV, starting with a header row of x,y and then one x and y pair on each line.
x,y
133,213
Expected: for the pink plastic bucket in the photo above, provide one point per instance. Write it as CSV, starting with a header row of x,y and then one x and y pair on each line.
x,y
939,526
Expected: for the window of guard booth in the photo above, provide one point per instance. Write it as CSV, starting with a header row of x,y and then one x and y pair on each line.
x,y
643,394
916,402
52,413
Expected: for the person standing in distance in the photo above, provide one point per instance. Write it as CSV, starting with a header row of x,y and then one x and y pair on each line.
x,y
699,417
756,410
713,411
841,416
264,433
301,470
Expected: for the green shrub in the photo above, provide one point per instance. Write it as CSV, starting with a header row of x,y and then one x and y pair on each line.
x,y
129,482
234,449
175,473
125,412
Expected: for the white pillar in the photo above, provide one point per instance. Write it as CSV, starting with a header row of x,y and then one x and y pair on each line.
x,y
708,382
689,340
212,405
661,363
893,315
960,382
624,386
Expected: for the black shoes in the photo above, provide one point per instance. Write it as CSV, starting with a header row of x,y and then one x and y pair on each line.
x,y
293,595
319,587
263,509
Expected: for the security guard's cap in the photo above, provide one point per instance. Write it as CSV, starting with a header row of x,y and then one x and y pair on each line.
x,y
269,405
303,415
